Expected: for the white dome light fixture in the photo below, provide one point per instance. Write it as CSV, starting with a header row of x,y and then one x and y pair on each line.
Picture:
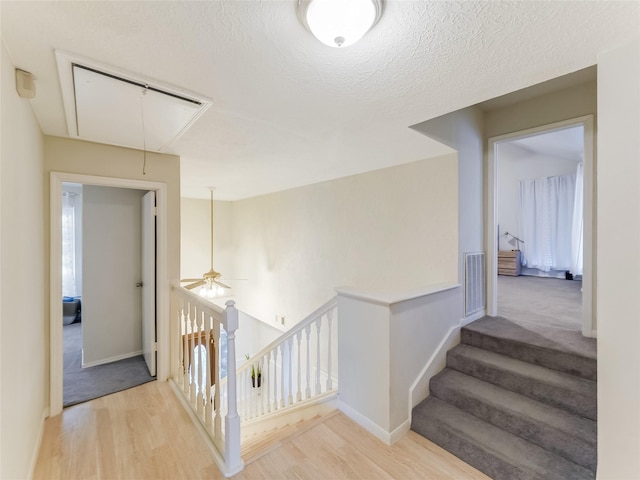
x,y
339,23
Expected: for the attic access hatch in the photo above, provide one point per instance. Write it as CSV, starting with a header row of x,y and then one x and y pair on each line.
x,y
108,106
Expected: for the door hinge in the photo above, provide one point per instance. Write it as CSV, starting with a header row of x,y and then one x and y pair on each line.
x,y
155,346
155,211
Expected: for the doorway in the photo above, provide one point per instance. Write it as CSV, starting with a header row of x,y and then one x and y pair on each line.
x,y
56,324
532,166
104,282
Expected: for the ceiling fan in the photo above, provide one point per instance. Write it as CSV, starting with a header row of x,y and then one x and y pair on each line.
x,y
210,283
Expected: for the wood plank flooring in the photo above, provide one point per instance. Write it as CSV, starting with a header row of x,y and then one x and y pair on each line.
x,y
143,433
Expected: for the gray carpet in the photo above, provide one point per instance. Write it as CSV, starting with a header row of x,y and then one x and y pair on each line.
x,y
83,384
542,301
517,401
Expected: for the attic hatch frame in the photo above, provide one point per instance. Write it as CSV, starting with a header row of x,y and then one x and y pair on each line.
x,y
66,71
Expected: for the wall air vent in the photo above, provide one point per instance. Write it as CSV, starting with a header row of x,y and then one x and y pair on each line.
x,y
105,105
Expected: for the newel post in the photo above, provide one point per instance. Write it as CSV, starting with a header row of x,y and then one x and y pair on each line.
x,y
232,420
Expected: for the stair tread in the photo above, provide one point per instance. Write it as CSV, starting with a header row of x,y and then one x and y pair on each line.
x,y
542,374
556,348
438,421
575,394
566,434
550,338
517,404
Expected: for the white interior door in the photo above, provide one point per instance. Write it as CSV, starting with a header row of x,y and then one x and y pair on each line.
x,y
111,261
149,280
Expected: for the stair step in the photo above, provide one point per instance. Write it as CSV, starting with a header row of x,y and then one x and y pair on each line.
x,y
556,348
261,444
570,436
499,454
574,394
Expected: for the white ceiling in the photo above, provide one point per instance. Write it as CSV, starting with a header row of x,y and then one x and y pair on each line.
x,y
289,111
565,143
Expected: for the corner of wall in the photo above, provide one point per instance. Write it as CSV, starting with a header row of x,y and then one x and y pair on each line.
x,y
36,450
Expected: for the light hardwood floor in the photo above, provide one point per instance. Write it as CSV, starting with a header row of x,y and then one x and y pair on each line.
x,y
143,433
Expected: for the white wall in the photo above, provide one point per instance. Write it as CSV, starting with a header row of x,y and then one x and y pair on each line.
x,y
364,363
463,131
23,342
390,230
566,104
514,164
111,304
87,158
618,283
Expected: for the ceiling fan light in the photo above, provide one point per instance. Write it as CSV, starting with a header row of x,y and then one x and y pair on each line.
x,y
339,23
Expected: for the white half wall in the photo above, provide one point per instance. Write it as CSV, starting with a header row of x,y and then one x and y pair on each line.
x,y
388,349
618,281
23,340
111,304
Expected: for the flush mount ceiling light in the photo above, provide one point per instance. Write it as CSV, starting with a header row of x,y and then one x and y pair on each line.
x,y
339,23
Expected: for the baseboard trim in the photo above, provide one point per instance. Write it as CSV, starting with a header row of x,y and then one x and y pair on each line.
x,y
365,422
110,359
38,444
445,344
399,432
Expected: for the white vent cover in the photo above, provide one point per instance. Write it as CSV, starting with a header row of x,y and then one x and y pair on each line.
x,y
108,106
474,283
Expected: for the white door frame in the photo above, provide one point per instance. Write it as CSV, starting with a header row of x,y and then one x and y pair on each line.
x,y
55,280
589,261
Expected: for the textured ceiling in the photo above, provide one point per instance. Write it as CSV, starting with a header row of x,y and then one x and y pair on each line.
x,y
289,111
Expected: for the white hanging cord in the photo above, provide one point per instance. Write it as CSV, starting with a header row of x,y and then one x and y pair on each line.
x,y
144,136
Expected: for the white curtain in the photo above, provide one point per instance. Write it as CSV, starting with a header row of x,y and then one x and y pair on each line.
x,y
546,220
68,245
578,223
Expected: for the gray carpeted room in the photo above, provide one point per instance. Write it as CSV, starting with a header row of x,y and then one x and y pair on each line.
x,y
542,301
83,384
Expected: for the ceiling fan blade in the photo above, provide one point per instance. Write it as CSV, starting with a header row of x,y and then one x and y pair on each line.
x,y
183,280
195,285
221,284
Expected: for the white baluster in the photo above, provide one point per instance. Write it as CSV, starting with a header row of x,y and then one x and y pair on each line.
x,y
282,375
210,352
217,410
192,359
232,420
200,366
185,348
329,352
290,367
307,392
274,393
298,369
180,318
262,396
267,380
318,385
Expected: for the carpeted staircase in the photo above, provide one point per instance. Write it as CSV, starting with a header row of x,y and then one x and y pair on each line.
x,y
516,402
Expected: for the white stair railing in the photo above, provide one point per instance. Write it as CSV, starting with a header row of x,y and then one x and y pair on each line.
x,y
298,368
198,371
